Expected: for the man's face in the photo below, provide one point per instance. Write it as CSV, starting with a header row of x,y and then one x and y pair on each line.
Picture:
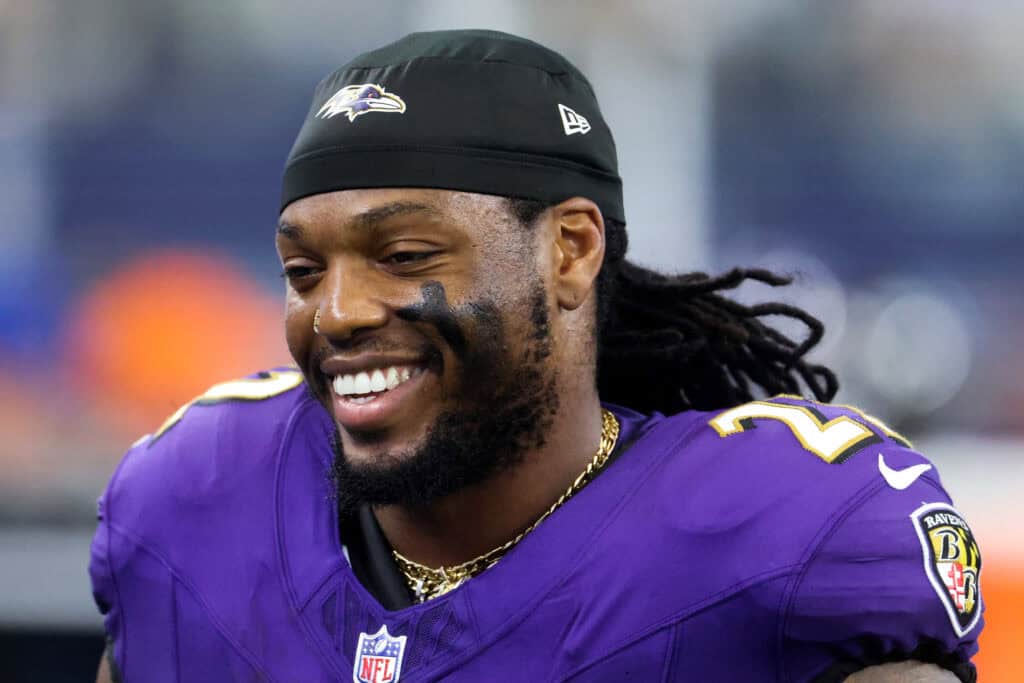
x,y
433,350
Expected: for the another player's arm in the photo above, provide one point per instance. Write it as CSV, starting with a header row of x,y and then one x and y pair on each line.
x,y
103,675
108,672
903,672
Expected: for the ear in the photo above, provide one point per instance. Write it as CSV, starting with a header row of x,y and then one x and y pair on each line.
x,y
579,249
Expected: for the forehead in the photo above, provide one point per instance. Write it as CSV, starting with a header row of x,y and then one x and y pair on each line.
x,y
350,207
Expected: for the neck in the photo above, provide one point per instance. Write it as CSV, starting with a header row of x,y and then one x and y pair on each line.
x,y
477,519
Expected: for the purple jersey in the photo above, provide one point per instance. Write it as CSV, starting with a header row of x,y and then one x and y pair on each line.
x,y
774,541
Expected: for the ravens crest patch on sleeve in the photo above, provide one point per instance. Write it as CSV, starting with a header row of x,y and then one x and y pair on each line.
x,y
952,562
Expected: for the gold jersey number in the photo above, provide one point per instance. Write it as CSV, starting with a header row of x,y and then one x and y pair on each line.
x,y
832,440
265,385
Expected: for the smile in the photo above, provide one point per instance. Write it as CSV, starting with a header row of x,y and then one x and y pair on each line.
x,y
366,386
376,391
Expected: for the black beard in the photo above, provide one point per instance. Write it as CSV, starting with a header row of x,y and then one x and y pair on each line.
x,y
507,407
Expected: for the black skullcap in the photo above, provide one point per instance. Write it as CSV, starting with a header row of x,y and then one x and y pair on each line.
x,y
478,111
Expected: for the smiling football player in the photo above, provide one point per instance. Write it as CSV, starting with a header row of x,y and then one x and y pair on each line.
x,y
506,453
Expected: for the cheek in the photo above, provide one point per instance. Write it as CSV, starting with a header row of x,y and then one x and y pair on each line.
x,y
298,327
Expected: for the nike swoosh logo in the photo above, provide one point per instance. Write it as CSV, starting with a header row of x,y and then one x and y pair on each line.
x,y
901,479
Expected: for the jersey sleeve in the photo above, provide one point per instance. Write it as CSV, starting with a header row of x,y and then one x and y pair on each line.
x,y
134,591
104,587
895,577
173,491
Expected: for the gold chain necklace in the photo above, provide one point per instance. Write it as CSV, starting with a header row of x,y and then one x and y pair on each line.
x,y
427,583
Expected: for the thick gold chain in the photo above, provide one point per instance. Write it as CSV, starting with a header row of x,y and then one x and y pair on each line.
x,y
427,583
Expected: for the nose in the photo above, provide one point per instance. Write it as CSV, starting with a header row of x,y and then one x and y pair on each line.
x,y
350,304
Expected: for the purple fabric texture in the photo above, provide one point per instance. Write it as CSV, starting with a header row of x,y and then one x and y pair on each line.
x,y
694,556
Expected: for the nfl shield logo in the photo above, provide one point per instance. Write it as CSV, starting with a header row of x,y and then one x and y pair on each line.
x,y
378,657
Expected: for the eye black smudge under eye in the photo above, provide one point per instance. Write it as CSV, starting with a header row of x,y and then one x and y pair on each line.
x,y
435,310
482,318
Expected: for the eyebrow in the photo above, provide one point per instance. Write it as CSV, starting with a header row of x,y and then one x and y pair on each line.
x,y
371,217
286,229
367,219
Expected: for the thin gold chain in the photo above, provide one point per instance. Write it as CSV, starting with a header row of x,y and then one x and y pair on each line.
x,y
427,583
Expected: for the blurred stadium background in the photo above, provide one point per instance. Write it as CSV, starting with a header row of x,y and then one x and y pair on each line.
x,y
875,148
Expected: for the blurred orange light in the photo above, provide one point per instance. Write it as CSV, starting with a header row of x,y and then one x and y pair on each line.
x,y
159,330
999,658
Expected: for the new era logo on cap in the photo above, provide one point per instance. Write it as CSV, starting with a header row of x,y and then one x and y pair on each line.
x,y
573,122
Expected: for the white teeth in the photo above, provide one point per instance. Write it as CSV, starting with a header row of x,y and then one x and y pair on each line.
x,y
355,387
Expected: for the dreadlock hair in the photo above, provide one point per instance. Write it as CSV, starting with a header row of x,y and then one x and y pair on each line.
x,y
674,342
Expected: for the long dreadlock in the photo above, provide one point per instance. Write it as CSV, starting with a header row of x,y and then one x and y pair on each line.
x,y
674,342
